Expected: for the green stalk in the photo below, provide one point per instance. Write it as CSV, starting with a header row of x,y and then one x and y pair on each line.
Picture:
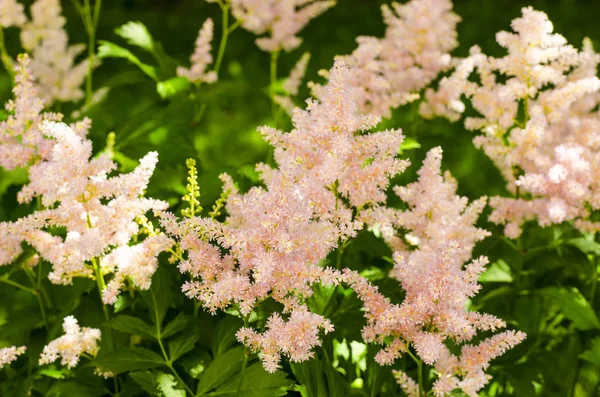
x,y
6,59
244,363
420,372
90,21
168,360
273,69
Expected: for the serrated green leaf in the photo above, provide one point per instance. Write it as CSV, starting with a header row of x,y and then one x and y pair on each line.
x,y
129,359
181,345
146,380
53,373
112,50
573,306
168,386
173,86
220,370
224,335
409,144
593,354
158,297
136,33
132,325
586,246
256,383
177,325
497,272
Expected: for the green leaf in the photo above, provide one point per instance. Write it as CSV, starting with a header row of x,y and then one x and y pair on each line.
x,y
181,345
498,271
409,144
220,370
168,386
129,359
112,50
173,86
136,33
132,325
573,306
13,177
586,246
256,383
146,380
53,373
73,389
224,336
158,297
177,325
593,354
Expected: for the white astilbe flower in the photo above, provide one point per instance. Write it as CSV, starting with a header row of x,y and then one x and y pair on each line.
x,y
98,212
550,154
52,58
390,71
280,20
10,354
11,13
69,347
201,57
21,140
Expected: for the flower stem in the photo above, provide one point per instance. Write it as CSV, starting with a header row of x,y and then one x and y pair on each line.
x,y
90,21
168,361
420,373
224,35
6,59
273,69
244,363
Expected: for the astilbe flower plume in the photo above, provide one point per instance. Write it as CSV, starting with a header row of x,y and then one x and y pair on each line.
x,y
280,20
430,265
201,57
275,237
75,342
10,354
390,71
98,213
21,140
291,84
11,13
52,58
538,122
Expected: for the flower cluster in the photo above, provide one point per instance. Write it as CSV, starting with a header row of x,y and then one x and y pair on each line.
x,y
10,354
281,20
275,236
11,13
75,342
538,122
21,140
429,264
201,57
52,58
388,72
97,212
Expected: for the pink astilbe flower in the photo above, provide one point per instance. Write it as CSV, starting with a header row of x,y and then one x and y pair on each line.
x,y
21,141
52,58
280,20
549,157
98,213
407,384
434,267
390,71
201,57
69,347
276,236
11,13
10,354
294,338
292,83
467,371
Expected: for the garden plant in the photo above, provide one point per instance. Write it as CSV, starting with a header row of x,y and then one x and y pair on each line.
x,y
299,198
